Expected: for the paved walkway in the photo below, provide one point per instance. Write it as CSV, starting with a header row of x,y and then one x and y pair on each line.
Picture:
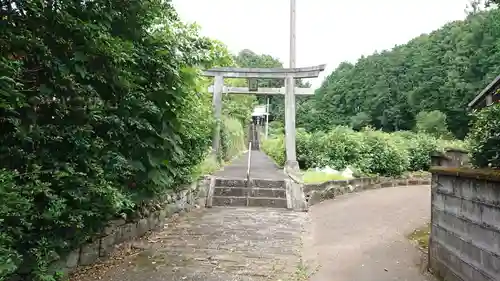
x,y
362,237
262,167
220,244
356,237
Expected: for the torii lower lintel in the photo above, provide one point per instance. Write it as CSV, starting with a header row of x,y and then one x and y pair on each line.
x,y
262,91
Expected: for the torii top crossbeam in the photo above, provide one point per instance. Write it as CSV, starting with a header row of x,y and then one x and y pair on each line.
x,y
266,73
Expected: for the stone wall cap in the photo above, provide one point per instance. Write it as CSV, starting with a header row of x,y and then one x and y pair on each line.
x,y
465,172
456,149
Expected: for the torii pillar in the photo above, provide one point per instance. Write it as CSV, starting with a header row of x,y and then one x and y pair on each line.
x,y
288,74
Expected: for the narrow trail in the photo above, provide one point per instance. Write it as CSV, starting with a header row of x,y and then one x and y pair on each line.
x,y
362,236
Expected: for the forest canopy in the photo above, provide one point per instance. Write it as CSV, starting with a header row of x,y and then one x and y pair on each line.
x,y
441,71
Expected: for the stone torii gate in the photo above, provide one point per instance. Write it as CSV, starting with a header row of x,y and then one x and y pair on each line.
x,y
262,73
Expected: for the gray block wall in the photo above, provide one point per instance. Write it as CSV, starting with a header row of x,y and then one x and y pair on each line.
x,y
465,235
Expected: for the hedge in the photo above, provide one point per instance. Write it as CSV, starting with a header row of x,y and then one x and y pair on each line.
x,y
484,138
99,111
368,151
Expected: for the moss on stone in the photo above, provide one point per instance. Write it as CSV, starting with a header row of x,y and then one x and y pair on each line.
x,y
479,174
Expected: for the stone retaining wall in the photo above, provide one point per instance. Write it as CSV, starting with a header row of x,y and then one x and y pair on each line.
x,y
150,217
465,235
316,193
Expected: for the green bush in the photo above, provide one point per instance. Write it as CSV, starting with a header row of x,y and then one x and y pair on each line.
x,y
419,147
484,138
383,155
99,111
233,139
367,152
275,148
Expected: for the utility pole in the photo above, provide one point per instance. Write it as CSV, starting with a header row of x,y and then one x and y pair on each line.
x,y
291,155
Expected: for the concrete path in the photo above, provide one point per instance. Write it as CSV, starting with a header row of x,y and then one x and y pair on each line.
x,y
362,237
262,167
219,244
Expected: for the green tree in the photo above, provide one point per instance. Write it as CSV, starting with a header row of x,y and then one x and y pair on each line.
x,y
442,70
99,113
433,123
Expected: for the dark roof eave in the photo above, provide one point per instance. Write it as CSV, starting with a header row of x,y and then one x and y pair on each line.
x,y
485,91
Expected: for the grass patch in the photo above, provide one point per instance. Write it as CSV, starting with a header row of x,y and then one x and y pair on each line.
x,y
320,177
421,237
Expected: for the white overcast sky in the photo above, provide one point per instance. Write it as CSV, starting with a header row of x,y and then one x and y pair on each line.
x,y
328,31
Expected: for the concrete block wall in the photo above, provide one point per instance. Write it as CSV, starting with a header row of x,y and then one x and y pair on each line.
x,y
465,235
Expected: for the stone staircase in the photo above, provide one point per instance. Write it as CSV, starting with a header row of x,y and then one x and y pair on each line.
x,y
253,193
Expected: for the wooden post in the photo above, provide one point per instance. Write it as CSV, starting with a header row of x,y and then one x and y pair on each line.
x,y
217,104
489,99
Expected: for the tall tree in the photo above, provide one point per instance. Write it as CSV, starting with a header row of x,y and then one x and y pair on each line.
x,y
440,71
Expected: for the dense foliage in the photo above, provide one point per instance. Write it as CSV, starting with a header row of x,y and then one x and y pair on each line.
x,y
440,71
99,110
484,138
368,151
247,58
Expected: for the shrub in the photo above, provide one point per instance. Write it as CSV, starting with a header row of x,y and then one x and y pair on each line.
x,y
383,155
338,148
276,128
275,148
484,138
367,152
419,147
233,139
99,111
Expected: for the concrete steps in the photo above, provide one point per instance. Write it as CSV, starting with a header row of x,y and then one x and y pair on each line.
x,y
253,193
249,202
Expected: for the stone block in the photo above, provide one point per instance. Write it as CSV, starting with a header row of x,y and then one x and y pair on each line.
x,y
482,237
154,221
113,225
72,259
201,202
491,216
162,215
438,201
142,227
107,244
267,202
127,231
490,263
314,198
401,182
470,252
480,276
471,210
452,205
495,243
229,201
425,182
268,183
89,253
412,182
445,185
387,184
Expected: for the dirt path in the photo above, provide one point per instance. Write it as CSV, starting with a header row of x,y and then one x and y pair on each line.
x,y
362,237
